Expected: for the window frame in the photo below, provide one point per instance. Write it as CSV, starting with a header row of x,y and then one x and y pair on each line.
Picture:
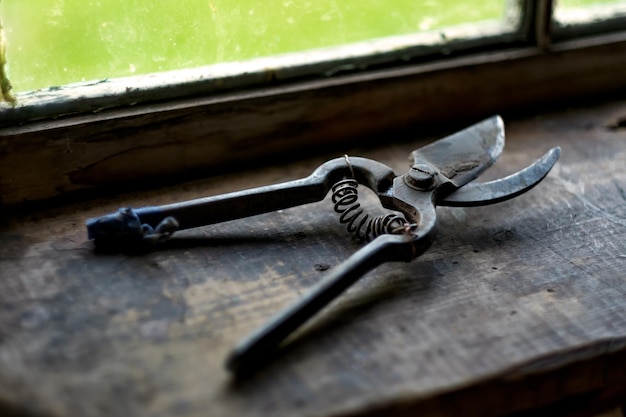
x,y
271,71
126,138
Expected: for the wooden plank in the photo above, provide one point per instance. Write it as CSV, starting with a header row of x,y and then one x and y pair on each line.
x,y
515,306
191,138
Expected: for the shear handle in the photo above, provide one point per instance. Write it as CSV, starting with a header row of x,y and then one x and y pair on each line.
x,y
418,207
245,203
255,350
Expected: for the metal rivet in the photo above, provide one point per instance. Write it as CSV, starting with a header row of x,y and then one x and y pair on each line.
x,y
421,177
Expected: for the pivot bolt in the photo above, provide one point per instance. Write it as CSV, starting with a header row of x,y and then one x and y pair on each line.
x,y
421,177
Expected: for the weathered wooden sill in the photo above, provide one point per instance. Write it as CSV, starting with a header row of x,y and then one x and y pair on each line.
x,y
515,307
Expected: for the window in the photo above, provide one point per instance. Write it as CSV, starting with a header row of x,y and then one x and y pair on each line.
x,y
586,17
184,123
90,44
55,43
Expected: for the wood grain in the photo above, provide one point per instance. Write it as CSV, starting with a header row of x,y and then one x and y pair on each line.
x,y
514,307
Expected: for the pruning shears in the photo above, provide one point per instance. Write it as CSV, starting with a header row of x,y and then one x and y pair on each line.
x,y
441,174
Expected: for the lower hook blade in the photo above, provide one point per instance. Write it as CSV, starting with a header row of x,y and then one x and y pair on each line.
x,y
481,194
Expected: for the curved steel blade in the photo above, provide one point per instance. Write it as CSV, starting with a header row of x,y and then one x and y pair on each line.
x,y
491,192
463,156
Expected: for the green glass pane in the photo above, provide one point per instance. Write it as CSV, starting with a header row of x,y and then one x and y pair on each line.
x,y
581,3
585,12
56,42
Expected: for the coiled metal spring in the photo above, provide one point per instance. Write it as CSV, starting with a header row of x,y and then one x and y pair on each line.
x,y
364,226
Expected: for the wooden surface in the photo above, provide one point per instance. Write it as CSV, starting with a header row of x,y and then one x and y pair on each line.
x,y
515,306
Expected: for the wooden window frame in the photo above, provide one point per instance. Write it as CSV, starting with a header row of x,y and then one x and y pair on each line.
x,y
64,143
